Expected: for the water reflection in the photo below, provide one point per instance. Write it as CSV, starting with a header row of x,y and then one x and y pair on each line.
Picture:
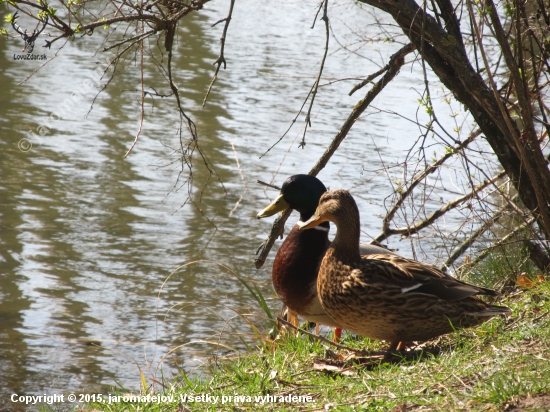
x,y
88,242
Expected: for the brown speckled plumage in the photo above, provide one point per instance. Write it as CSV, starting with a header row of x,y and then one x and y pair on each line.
x,y
389,297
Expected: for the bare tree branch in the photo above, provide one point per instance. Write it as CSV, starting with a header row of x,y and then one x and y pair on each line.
x,y
407,192
413,229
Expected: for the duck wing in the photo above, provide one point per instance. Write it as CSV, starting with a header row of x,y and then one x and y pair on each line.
x,y
368,249
415,277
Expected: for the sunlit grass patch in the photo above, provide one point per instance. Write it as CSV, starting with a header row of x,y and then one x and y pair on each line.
x,y
500,363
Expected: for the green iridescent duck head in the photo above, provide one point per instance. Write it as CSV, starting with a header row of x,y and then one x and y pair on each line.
x,y
299,192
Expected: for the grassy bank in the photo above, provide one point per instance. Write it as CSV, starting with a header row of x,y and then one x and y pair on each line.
x,y
501,365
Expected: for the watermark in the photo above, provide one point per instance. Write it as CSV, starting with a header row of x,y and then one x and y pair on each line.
x,y
206,398
29,57
29,39
65,108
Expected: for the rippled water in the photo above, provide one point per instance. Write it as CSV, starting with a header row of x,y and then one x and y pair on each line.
x,y
88,237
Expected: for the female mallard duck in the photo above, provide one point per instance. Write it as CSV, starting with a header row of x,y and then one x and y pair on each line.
x,y
297,262
389,297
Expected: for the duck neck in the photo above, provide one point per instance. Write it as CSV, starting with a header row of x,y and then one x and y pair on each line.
x,y
305,215
346,241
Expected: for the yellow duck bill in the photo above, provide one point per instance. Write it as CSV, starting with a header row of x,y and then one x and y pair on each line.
x,y
278,205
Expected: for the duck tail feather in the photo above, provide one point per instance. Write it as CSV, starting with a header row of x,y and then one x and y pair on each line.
x,y
492,311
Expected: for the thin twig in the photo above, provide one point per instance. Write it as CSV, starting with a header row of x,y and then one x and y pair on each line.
x,y
316,84
268,185
142,111
409,230
474,236
290,126
432,168
501,241
368,80
135,38
242,178
221,57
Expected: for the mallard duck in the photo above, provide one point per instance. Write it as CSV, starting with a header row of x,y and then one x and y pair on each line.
x,y
387,297
297,262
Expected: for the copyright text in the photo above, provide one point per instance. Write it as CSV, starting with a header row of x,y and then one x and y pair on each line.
x,y
160,399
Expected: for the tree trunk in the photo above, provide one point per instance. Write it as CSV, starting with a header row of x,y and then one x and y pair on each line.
x,y
445,53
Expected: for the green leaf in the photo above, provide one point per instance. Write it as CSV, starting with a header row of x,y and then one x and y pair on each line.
x,y
9,18
509,9
429,110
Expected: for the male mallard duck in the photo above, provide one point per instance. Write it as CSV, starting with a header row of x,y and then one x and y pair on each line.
x,y
297,262
388,297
